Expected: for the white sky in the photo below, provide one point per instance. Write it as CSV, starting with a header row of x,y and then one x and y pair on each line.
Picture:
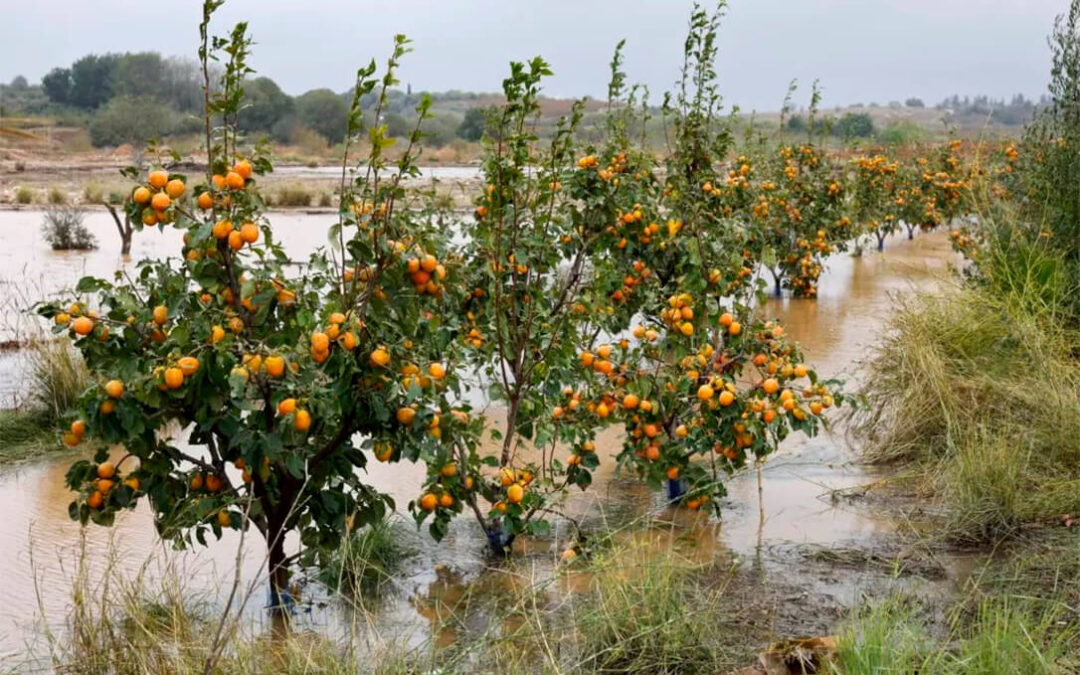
x,y
861,50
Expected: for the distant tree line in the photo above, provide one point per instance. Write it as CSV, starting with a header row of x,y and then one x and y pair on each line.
x,y
1015,112
849,125
132,97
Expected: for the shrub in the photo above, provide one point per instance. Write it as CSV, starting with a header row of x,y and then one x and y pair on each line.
x,y
57,196
311,142
93,193
854,125
902,133
24,195
293,195
64,230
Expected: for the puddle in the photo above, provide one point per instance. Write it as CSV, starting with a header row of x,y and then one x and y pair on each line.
x,y
856,295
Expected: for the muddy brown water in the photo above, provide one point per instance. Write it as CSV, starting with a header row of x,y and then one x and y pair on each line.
x,y
41,545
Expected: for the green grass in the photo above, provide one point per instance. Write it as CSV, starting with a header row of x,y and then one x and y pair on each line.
x,y
649,613
1015,615
998,636
24,195
368,559
25,435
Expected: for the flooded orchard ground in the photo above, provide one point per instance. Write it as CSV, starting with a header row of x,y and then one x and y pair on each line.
x,y
856,295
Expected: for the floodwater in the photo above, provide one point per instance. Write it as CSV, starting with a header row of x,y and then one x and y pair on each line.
x,y
42,545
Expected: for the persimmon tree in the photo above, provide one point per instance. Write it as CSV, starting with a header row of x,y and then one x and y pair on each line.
x,y
873,186
709,384
248,390
548,274
798,217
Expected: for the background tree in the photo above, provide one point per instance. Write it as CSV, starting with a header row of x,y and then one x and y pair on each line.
x,y
854,125
472,127
265,107
92,80
133,120
57,85
324,112
280,378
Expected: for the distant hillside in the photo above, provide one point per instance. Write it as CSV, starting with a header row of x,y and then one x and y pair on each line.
x,y
114,100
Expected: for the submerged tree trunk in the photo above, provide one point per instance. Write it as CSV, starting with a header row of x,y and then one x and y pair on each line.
x,y
278,572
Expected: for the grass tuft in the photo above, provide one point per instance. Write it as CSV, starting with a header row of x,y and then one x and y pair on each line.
x,y
1000,634
58,377
56,196
367,559
293,195
649,612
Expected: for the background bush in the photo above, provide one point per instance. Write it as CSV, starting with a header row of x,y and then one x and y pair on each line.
x,y
64,230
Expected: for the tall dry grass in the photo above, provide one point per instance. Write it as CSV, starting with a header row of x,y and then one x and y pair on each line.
x,y
638,611
57,376
977,392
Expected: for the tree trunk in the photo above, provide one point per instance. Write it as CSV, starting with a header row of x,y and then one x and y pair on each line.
x,y
281,601
511,424
880,242
125,229
499,543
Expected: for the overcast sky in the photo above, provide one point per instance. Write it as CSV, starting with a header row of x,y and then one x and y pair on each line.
x,y
861,50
